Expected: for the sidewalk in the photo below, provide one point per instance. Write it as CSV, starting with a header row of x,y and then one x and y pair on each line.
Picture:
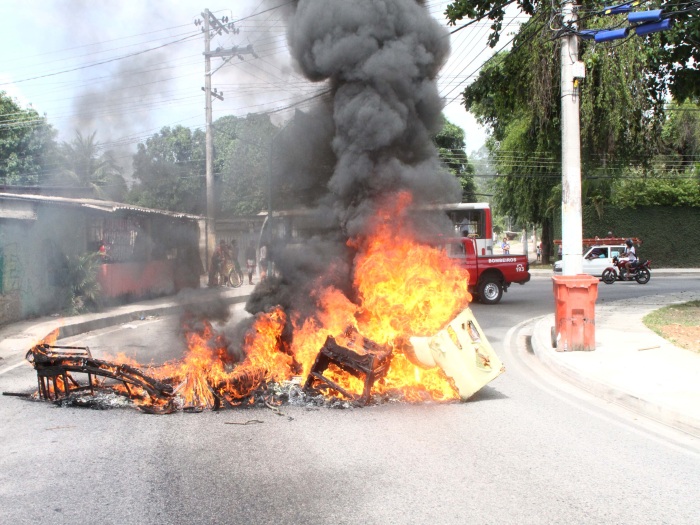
x,y
631,365
17,338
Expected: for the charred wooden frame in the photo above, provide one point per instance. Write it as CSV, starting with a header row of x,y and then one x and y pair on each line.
x,y
55,366
371,363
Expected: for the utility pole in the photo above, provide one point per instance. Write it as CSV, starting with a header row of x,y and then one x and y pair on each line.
x,y
572,71
571,222
209,175
212,24
574,294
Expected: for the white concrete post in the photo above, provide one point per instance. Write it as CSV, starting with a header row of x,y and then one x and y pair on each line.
x,y
571,221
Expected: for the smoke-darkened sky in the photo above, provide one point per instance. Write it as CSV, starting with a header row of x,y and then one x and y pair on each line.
x,y
126,68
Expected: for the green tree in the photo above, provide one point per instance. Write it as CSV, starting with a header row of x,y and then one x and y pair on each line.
x,y
242,148
450,144
84,164
679,53
81,285
676,52
169,171
27,144
681,135
657,188
517,96
673,175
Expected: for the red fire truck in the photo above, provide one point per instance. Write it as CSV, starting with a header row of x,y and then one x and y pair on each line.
x,y
489,275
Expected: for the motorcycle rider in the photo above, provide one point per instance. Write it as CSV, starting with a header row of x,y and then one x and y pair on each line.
x,y
629,257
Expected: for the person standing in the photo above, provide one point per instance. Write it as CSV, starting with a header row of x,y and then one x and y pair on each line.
x,y
505,246
218,263
250,257
263,262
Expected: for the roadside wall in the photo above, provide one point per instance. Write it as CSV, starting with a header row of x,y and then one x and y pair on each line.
x,y
670,235
150,254
31,252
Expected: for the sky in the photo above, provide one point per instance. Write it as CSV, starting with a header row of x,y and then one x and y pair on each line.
x,y
127,68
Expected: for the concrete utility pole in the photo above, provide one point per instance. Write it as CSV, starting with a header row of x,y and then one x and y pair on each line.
x,y
211,23
571,222
209,176
574,294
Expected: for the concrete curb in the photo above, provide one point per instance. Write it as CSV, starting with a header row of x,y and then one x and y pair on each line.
x,y
104,321
29,333
663,272
541,345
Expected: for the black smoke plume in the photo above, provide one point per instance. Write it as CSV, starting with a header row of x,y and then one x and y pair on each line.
x,y
368,138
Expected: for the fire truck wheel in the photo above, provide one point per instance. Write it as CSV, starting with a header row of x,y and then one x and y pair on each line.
x,y
490,290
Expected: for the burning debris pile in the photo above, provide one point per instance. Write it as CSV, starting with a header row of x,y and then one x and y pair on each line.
x,y
71,375
365,307
392,341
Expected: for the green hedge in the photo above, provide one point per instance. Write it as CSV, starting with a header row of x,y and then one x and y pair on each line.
x,y
670,235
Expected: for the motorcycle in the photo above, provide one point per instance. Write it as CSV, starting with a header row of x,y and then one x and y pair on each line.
x,y
639,271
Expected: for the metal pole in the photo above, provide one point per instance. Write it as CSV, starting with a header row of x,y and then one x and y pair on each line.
x,y
269,179
209,177
269,171
571,222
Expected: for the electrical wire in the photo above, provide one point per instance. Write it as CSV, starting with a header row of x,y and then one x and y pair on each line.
x,y
101,62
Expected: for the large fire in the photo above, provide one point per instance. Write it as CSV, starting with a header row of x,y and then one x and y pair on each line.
x,y
403,288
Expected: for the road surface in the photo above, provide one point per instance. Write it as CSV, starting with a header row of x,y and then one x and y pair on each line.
x,y
527,448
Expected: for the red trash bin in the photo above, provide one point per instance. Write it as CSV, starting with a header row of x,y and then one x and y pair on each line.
x,y
574,317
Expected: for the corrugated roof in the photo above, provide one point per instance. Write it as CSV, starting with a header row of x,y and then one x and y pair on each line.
x,y
106,206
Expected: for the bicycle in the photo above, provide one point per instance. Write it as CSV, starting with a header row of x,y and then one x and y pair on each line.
x,y
231,275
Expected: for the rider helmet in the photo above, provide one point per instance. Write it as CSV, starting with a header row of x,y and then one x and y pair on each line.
x,y
629,243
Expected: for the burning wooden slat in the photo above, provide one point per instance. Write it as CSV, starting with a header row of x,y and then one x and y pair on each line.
x,y
364,359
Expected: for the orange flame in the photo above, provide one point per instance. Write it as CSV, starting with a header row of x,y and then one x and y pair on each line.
x,y
402,288
50,339
203,374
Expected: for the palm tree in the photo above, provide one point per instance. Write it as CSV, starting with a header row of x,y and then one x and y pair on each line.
x,y
87,166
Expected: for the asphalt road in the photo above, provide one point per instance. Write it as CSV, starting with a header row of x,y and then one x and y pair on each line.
x,y
528,448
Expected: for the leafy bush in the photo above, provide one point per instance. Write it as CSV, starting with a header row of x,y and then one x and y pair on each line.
x,y
656,189
81,284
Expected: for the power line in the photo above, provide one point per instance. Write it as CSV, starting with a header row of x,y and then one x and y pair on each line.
x,y
101,62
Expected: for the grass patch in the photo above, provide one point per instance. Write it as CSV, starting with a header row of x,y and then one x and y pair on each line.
x,y
678,323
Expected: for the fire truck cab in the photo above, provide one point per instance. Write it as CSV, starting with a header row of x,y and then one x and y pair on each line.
x,y
489,275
